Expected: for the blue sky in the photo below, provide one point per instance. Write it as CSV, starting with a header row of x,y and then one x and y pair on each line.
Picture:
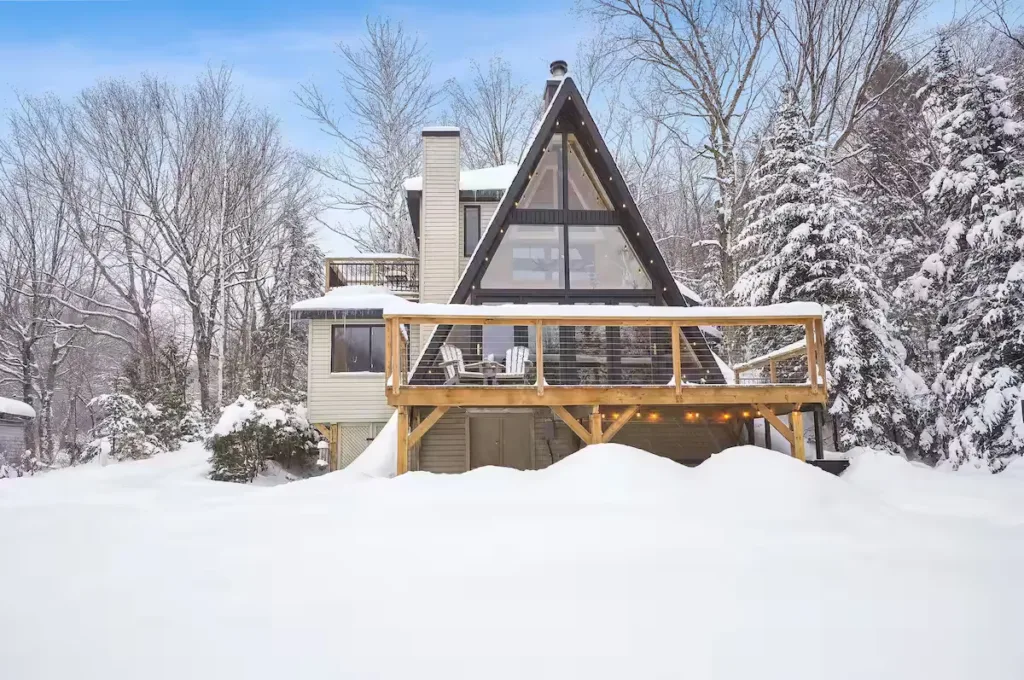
x,y
63,47
273,46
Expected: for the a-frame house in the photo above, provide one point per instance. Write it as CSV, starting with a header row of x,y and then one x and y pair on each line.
x,y
567,231
539,316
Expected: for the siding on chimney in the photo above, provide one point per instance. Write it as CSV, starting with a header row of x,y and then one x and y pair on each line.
x,y
439,219
439,222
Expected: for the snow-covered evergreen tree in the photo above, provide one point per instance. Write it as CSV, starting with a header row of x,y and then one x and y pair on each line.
x,y
121,433
977,275
804,241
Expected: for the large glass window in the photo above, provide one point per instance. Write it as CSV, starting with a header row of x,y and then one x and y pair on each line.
x,y
544,191
470,228
585,191
357,348
600,258
529,256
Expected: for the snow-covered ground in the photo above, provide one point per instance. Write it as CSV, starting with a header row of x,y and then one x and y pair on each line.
x,y
611,564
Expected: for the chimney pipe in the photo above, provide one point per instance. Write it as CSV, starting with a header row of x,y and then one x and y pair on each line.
x,y
558,68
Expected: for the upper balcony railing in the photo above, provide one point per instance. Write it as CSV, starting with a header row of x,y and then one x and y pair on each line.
x,y
398,273
491,356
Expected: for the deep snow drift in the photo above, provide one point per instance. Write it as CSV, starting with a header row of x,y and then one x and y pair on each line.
x,y
611,564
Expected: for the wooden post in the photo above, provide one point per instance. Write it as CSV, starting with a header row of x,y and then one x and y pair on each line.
x,y
327,276
677,361
540,357
333,441
796,423
403,440
811,341
595,424
771,372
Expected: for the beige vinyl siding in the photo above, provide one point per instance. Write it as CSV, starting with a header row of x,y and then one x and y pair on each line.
x,y
443,447
486,211
341,397
439,219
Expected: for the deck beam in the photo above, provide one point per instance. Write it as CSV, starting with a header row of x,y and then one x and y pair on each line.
x,y
769,415
421,429
573,424
617,425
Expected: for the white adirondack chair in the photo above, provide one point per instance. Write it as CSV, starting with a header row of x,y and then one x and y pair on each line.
x,y
455,367
516,360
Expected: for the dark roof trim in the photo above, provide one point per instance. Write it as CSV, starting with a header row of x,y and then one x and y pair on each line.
x,y
440,133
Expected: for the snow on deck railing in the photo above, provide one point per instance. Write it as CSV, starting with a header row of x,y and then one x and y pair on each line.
x,y
790,313
791,350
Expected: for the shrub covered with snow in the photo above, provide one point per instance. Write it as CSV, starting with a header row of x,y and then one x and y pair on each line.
x,y
124,430
252,431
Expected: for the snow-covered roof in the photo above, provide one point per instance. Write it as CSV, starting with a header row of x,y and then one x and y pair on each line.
x,y
352,297
13,407
497,177
689,292
441,128
605,312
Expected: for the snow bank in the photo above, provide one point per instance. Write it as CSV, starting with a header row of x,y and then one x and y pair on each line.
x,y
16,408
916,487
612,563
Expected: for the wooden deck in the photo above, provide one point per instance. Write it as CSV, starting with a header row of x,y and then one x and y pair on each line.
x,y
769,399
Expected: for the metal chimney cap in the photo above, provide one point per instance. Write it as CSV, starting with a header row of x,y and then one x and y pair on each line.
x,y
559,68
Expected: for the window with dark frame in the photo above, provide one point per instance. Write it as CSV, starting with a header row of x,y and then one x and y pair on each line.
x,y
470,228
357,348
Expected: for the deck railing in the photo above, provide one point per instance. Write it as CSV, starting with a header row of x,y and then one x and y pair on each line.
x,y
482,359
594,358
400,274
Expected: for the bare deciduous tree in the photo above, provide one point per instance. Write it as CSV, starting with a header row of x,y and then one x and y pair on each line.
x,y
703,59
831,50
388,99
493,112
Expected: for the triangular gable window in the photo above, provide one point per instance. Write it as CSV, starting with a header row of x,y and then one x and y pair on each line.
x,y
585,191
544,192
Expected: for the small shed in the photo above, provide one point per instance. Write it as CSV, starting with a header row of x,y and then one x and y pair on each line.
x,y
14,418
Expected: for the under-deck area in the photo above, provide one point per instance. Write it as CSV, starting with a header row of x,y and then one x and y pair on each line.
x,y
599,371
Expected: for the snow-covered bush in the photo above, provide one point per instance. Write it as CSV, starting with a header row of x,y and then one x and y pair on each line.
x,y
123,431
252,431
